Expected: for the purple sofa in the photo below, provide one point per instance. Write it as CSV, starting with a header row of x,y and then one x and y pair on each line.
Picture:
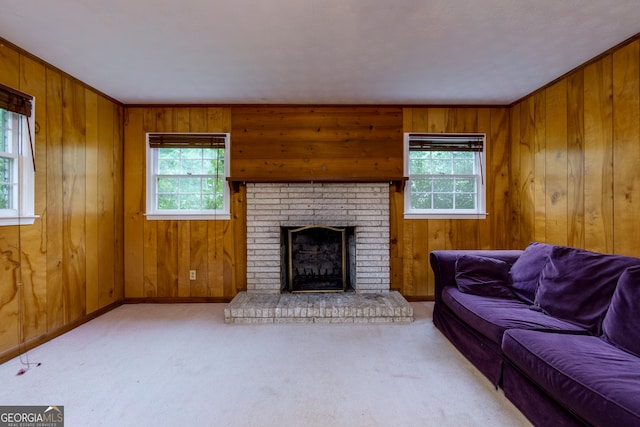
x,y
558,328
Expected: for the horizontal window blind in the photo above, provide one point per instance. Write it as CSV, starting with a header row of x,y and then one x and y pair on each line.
x,y
187,140
15,101
450,142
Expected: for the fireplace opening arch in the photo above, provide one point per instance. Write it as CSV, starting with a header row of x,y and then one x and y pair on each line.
x,y
318,258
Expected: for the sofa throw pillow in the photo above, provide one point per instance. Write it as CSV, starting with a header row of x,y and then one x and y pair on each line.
x,y
621,324
525,272
577,285
483,276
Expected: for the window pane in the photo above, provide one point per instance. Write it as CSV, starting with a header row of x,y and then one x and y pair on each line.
x,y
421,201
192,167
464,185
465,201
419,166
443,201
167,201
168,167
5,134
6,196
442,166
212,201
6,168
167,185
421,185
443,185
190,201
214,167
168,153
190,185
191,153
463,167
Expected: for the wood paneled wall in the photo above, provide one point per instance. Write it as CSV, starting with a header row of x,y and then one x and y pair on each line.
x,y
335,143
70,262
316,143
413,240
159,254
575,155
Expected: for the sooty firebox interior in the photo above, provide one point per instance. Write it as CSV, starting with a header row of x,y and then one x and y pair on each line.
x,y
317,258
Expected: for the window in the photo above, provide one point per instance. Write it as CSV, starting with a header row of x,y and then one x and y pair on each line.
x,y
186,176
17,164
446,175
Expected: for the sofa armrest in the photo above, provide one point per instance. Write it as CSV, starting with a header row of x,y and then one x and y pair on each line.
x,y
443,264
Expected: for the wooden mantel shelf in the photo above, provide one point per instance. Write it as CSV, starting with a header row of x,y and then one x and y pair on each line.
x,y
398,182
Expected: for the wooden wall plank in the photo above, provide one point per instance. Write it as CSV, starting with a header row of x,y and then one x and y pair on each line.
x,y
74,197
575,157
539,171
54,216
516,185
134,224
626,156
527,171
118,203
498,172
555,221
91,202
598,152
106,199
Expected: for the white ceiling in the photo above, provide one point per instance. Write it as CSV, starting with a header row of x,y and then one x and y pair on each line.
x,y
317,51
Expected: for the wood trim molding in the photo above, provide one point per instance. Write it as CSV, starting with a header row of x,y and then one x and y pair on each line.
x,y
398,182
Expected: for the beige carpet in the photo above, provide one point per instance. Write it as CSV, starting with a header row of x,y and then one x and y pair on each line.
x,y
180,365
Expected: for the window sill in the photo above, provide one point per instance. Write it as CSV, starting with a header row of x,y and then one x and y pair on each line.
x,y
479,215
188,217
18,220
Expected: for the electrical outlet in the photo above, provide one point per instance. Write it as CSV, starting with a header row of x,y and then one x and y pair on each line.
x,y
192,275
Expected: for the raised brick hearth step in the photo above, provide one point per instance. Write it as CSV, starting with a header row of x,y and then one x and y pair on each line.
x,y
347,307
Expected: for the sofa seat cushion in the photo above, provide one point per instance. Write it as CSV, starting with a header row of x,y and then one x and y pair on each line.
x,y
492,316
588,376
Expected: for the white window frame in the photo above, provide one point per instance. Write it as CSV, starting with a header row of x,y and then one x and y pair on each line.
x,y
151,191
23,212
480,176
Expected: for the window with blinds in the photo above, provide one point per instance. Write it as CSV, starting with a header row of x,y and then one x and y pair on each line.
x,y
17,157
446,175
186,176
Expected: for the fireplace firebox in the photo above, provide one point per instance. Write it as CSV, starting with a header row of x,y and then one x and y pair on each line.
x,y
317,258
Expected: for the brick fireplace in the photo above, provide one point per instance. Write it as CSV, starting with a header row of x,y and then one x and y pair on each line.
x,y
363,209
363,206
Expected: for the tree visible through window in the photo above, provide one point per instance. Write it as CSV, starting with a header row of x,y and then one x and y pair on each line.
x,y
9,149
445,174
187,174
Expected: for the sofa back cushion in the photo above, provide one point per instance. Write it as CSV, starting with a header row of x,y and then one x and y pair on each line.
x,y
525,272
577,285
483,276
621,324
